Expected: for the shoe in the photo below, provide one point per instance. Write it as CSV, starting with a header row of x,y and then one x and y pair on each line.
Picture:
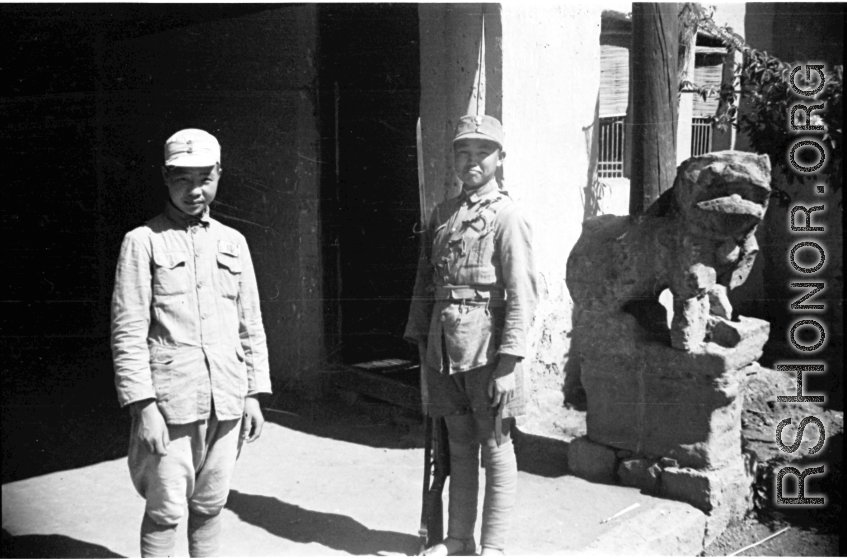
x,y
452,546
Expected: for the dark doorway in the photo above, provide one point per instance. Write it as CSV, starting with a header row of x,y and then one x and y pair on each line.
x,y
370,96
84,129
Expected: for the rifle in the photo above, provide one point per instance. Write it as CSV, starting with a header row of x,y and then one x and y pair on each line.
x,y
436,470
436,448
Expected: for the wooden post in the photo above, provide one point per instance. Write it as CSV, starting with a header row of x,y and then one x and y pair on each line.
x,y
653,82
687,38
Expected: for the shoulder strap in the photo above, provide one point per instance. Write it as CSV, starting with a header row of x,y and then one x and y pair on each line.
x,y
492,206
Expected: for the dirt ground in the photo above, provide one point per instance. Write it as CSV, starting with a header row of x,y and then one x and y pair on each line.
x,y
66,437
811,531
331,478
797,541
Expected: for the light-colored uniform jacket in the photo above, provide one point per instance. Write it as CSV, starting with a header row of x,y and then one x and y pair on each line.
x,y
186,322
478,246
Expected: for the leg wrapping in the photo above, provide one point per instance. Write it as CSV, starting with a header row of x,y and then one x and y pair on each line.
x,y
501,482
204,532
157,540
464,490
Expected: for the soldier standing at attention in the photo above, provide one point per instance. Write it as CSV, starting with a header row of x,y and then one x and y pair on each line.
x,y
189,351
473,302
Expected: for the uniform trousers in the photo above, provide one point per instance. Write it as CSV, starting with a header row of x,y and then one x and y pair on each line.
x,y
196,470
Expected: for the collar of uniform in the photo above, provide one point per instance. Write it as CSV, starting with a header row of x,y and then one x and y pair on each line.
x,y
474,196
183,219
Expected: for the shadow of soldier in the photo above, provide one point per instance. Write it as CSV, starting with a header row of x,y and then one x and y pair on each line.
x,y
300,525
51,545
540,455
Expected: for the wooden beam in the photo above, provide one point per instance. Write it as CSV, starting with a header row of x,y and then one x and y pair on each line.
x,y
654,85
379,386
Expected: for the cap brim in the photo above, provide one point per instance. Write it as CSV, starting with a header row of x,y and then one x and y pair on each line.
x,y
192,160
477,136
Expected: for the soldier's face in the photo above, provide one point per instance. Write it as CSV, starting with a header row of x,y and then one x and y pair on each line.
x,y
476,161
192,189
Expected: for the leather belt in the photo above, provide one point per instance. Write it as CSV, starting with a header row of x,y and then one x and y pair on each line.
x,y
494,296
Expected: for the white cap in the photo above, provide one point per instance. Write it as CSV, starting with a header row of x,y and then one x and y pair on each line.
x,y
192,148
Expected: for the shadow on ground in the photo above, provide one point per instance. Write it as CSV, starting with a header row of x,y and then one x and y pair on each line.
x,y
39,440
300,525
51,545
60,410
360,420
541,456
378,424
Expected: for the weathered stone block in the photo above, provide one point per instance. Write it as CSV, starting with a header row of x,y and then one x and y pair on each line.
x,y
724,494
695,487
591,461
729,334
668,463
641,473
735,499
660,401
719,304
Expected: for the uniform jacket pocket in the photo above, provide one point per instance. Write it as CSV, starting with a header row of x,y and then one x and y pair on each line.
x,y
170,273
470,335
229,274
161,370
480,264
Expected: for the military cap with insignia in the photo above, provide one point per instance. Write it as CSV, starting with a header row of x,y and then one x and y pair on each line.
x,y
482,127
192,148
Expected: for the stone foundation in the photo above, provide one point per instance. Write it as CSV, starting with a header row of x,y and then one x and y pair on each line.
x,y
724,494
654,400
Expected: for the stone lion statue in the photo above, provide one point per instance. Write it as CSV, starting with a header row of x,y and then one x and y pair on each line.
x,y
697,240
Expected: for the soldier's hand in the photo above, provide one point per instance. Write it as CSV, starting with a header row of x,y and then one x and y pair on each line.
x,y
501,390
253,420
501,387
152,429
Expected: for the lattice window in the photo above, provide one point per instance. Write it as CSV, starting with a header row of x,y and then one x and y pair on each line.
x,y
610,156
701,136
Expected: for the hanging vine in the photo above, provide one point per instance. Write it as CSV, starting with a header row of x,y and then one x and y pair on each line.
x,y
762,81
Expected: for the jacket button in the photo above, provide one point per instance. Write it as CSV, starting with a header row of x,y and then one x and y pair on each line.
x,y
446,278
443,318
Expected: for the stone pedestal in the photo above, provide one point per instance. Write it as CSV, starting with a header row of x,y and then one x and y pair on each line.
x,y
664,377
674,418
658,401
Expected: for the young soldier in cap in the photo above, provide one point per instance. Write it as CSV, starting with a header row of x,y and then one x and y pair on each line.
x,y
473,302
189,351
